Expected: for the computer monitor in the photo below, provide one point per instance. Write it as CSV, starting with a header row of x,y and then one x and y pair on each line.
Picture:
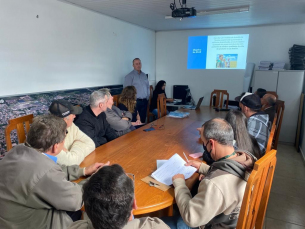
x,y
180,92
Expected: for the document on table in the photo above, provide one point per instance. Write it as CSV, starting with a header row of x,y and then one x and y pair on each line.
x,y
172,167
160,163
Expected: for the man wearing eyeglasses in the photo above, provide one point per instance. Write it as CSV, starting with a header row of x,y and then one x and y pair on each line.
x,y
114,212
92,121
36,192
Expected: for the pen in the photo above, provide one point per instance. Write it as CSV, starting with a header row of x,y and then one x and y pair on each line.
x,y
186,157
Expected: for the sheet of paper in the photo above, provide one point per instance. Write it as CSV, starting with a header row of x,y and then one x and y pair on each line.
x,y
160,163
172,167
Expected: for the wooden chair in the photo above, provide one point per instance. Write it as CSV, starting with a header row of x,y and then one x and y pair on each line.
x,y
161,105
273,93
255,201
280,107
116,100
219,98
271,136
17,124
149,114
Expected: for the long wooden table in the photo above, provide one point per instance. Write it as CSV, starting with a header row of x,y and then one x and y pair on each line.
x,y
138,151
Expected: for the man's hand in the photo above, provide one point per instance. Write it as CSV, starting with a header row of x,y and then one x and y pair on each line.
x,y
127,119
94,168
138,122
195,164
178,176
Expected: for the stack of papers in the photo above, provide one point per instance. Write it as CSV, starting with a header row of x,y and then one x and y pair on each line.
x,y
265,65
178,114
172,167
278,66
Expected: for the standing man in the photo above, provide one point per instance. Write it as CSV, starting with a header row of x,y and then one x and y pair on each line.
x,y
139,80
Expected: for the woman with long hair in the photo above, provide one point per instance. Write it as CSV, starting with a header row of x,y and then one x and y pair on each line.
x,y
159,89
243,140
128,101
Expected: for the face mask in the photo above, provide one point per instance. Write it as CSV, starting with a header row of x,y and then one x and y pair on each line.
x,y
205,147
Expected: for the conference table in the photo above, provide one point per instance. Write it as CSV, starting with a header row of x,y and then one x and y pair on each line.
x,y
138,151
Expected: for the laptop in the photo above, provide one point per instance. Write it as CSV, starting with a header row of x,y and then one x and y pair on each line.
x,y
194,107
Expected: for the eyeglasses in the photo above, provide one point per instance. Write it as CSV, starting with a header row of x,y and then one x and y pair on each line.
x,y
131,176
157,127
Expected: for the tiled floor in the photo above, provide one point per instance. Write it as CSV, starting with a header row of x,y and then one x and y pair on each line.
x,y
286,207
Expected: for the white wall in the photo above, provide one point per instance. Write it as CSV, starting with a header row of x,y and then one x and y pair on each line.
x,y
265,43
66,47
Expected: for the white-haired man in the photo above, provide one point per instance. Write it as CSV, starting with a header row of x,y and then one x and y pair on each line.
x,y
92,121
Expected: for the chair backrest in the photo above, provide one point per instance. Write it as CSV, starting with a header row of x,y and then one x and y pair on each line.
x,y
116,100
161,105
280,107
271,136
255,201
219,98
273,93
18,124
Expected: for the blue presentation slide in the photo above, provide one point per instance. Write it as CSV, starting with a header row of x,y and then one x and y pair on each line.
x,y
218,52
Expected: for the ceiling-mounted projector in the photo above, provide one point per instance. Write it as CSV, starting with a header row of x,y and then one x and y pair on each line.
x,y
184,12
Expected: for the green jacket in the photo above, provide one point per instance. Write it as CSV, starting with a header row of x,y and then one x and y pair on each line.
x,y
36,192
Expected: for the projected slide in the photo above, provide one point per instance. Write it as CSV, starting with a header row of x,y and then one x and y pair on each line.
x,y
218,52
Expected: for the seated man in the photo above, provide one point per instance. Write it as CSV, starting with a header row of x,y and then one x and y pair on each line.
x,y
92,121
77,144
220,192
114,212
119,120
35,191
258,121
268,103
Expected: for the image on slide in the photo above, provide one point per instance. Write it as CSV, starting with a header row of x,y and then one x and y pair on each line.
x,y
226,60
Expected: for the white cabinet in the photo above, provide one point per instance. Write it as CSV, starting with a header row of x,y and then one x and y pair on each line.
x,y
289,87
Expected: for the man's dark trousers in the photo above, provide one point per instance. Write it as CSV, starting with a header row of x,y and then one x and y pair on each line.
x,y
142,108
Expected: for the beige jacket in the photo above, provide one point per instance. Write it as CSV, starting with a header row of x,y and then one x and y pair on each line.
x,y
36,192
219,196
79,146
141,223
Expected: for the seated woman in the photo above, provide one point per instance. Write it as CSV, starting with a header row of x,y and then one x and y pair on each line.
x,y
127,102
243,140
160,89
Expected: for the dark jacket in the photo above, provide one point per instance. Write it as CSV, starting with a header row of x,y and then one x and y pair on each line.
x,y
96,127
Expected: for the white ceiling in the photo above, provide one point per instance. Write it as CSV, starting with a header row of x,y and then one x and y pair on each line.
x,y
150,13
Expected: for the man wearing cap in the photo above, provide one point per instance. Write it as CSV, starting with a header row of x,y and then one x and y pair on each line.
x,y
77,144
257,120
93,119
